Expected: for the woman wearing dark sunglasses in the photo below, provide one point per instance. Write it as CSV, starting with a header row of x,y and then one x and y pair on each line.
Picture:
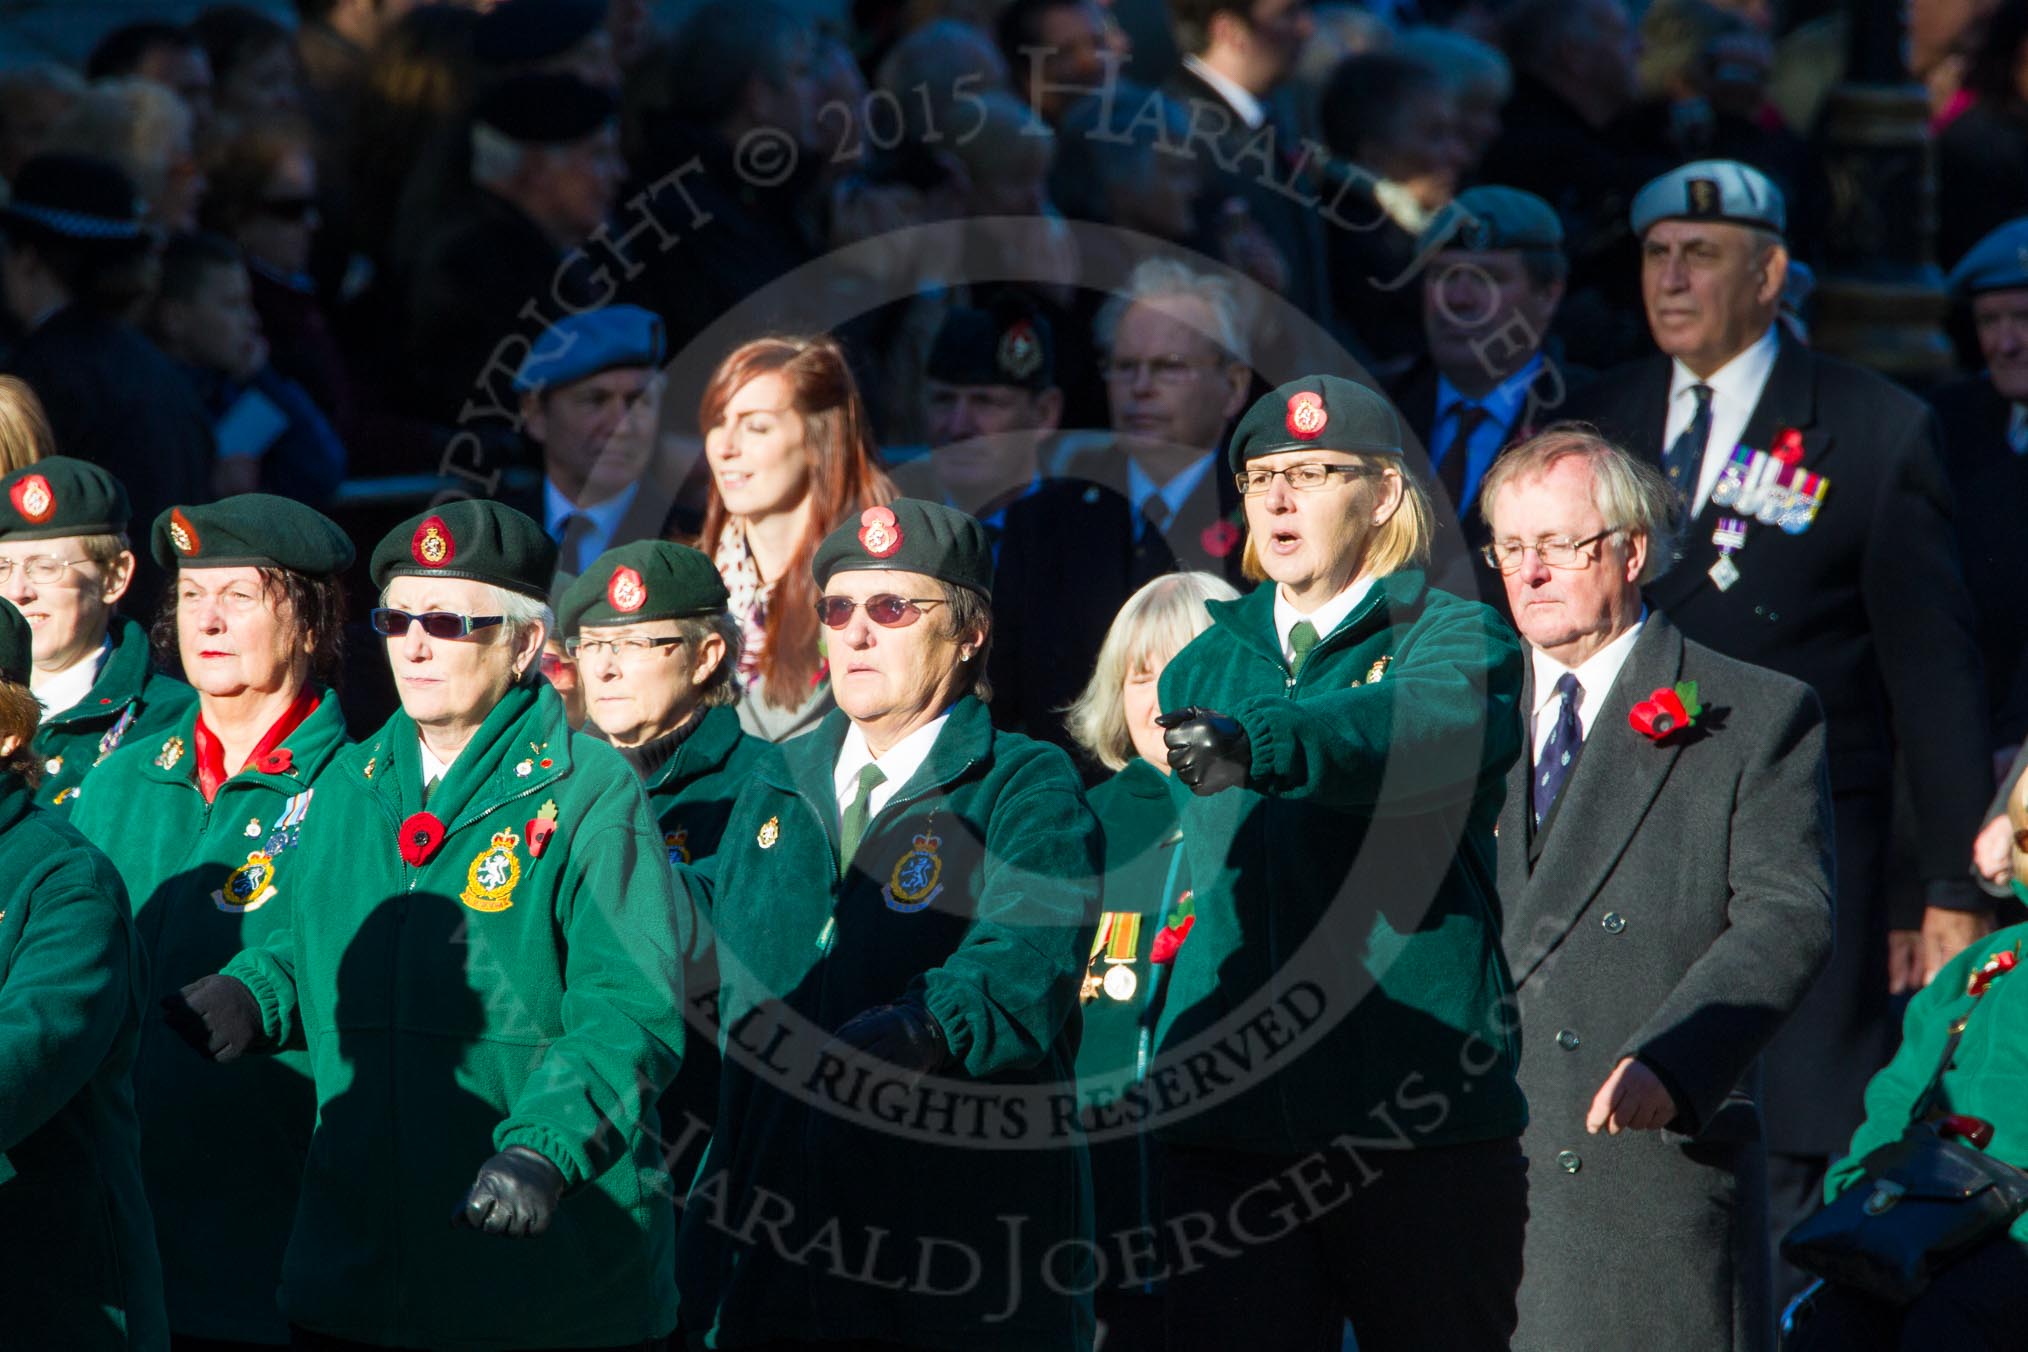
x,y
908,893
201,820
484,967
1344,731
75,1239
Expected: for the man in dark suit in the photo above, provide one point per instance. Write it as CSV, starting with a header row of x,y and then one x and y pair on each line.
x,y
1492,375
1668,893
1848,580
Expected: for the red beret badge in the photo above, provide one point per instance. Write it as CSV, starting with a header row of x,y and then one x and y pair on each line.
x,y
34,499
432,546
626,591
879,533
1020,350
182,534
1667,712
1306,414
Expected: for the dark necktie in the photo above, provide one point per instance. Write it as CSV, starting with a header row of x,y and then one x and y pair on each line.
x,y
1457,456
1683,462
572,541
1154,517
1552,767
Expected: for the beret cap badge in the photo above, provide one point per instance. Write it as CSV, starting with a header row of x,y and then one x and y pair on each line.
x,y
1704,197
1307,417
1020,351
182,534
34,499
627,592
878,532
433,546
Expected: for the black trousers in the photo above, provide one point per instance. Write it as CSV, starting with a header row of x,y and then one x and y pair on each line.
x,y
306,1340
1978,1305
1419,1249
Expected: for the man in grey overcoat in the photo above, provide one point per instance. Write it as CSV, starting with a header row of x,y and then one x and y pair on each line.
x,y
1665,864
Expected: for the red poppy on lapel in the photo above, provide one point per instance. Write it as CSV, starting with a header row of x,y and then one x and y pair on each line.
x,y
1787,446
1997,965
280,761
419,837
1666,712
1219,538
1169,939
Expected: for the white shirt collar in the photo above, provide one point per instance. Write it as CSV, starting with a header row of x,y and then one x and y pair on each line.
x,y
1595,675
1244,103
62,691
1141,485
432,768
1326,617
1735,392
900,763
1740,378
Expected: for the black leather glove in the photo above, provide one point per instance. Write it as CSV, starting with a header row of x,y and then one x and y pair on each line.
x,y
515,1195
1207,750
217,1015
903,1035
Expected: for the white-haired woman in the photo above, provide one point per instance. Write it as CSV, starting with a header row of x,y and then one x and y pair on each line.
x,y
484,969
1146,896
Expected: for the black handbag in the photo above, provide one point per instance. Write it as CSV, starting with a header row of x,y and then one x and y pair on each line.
x,y
1924,1202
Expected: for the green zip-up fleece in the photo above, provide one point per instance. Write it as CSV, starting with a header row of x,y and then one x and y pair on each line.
x,y
691,795
1142,844
77,1247
222,1147
1344,977
130,702
897,1215
491,996
1988,1077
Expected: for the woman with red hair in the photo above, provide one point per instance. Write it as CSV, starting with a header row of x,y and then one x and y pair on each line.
x,y
791,454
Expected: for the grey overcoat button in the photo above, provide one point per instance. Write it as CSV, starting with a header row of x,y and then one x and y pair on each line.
x,y
1567,1040
1614,922
1568,1161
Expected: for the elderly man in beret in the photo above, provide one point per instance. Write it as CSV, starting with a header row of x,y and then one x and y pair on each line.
x,y
1819,544
65,564
485,972
76,1240
201,818
591,400
904,902
991,401
1493,373
1338,740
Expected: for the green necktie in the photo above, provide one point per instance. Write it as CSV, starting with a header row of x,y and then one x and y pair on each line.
x,y
1302,638
854,825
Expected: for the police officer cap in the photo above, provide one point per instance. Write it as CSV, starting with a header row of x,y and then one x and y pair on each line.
x,y
252,530
475,539
1999,262
1316,413
582,345
61,496
1712,190
1490,219
641,581
79,200
910,536
1007,345
520,31
17,646
545,108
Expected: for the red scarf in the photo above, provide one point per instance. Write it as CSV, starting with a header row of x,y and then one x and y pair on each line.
x,y
211,771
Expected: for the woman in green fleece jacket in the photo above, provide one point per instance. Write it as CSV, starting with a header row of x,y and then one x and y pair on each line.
x,y
201,819
485,973
77,1248
1337,1036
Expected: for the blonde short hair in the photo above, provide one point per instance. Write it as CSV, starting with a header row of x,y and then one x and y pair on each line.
x,y
136,123
24,428
1155,624
1403,542
1630,494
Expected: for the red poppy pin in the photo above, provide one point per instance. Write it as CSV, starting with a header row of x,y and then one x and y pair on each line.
x,y
1306,416
1788,446
1169,940
1997,965
280,761
1220,538
879,533
540,828
33,498
419,837
1667,712
433,546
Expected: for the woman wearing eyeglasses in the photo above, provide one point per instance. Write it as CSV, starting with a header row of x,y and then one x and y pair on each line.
x,y
485,970
202,820
791,454
904,900
64,564
76,1242
1343,733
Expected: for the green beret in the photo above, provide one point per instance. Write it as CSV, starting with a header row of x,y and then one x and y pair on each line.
x,y
645,580
17,645
911,536
473,538
1316,413
61,496
252,530
1490,219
